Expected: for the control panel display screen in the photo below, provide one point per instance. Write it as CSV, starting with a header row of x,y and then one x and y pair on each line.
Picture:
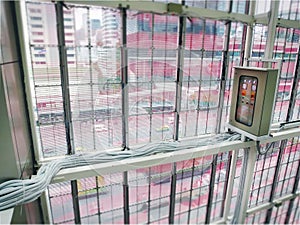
x,y
246,100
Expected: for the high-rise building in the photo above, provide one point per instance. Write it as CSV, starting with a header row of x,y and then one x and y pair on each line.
x,y
108,41
43,38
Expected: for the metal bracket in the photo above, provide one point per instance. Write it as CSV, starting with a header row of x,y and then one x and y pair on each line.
x,y
174,8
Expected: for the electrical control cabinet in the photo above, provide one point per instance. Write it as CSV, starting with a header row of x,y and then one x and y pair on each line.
x,y
252,102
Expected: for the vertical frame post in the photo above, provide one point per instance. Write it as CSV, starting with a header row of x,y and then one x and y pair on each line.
x,y
124,79
179,78
246,179
276,175
224,72
291,203
271,31
229,190
292,101
211,188
179,73
64,75
249,36
125,132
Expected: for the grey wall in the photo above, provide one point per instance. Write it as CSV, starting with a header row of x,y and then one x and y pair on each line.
x,y
16,158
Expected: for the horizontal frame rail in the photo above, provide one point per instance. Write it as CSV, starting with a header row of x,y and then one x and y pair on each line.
x,y
276,202
176,156
189,11
163,8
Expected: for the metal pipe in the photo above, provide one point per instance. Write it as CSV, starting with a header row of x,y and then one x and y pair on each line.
x,y
64,76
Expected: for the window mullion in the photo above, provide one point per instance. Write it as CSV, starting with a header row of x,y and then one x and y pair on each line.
x,y
125,113
291,203
179,78
224,75
293,99
64,76
271,30
124,80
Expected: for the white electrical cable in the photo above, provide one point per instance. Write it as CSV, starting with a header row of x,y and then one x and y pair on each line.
x,y
17,192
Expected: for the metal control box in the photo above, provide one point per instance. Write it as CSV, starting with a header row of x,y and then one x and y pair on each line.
x,y
252,102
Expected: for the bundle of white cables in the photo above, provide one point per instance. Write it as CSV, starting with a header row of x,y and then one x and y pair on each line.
x,y
17,192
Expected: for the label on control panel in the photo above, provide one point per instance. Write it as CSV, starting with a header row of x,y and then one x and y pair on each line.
x,y
246,100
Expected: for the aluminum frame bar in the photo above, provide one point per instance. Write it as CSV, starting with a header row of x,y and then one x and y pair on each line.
x,y
275,181
153,160
288,23
249,36
271,31
162,8
148,161
246,179
229,190
269,205
190,11
224,75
